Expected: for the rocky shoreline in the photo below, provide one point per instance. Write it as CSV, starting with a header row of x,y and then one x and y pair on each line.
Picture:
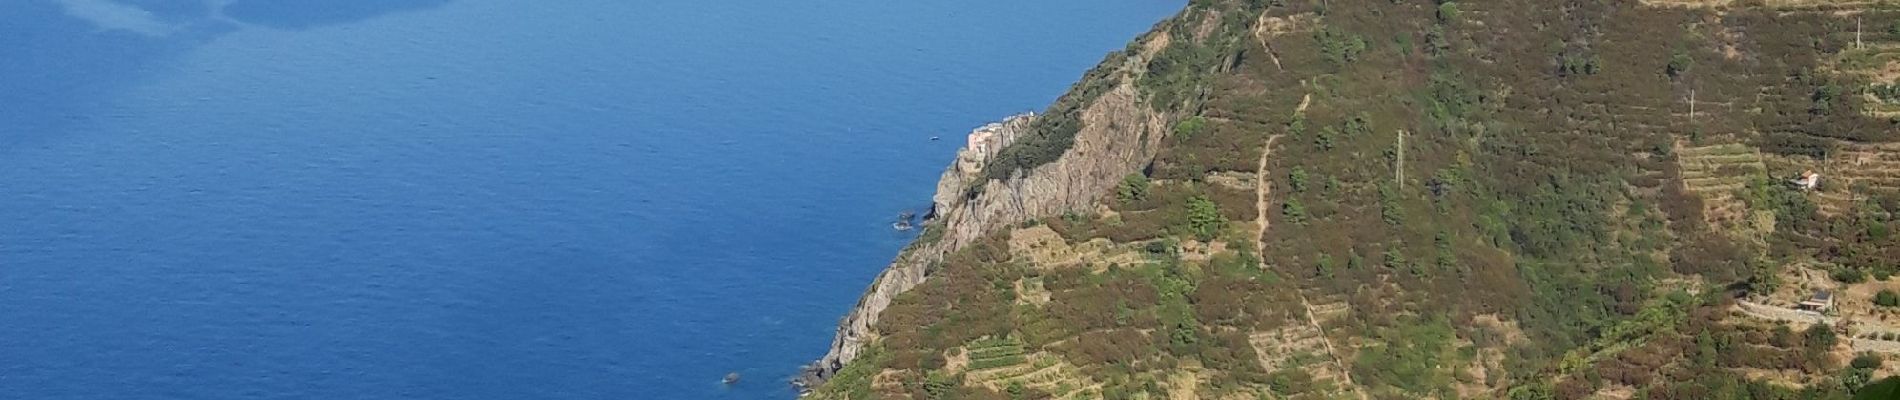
x,y
908,269
1119,135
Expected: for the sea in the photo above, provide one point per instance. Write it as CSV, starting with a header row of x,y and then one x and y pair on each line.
x,y
481,199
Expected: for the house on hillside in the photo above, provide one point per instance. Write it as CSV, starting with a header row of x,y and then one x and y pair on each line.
x,y
1820,302
1808,181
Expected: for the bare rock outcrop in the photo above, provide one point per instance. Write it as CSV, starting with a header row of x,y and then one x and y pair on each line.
x,y
1119,136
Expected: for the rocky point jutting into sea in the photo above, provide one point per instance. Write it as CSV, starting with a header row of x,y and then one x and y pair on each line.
x,y
1118,135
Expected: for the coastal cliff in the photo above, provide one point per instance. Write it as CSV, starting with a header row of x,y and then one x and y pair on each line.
x,y
1118,135
1385,199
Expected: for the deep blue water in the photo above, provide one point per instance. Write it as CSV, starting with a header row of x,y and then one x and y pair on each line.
x,y
479,199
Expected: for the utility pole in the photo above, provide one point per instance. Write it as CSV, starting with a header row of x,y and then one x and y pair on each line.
x,y
1399,166
1857,19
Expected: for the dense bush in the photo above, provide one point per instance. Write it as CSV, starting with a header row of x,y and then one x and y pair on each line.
x,y
1849,275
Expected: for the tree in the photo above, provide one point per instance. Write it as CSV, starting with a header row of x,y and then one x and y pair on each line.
x,y
1448,12
1341,48
1297,179
1204,217
1187,128
1134,188
1389,204
1679,63
1824,97
1295,212
1819,337
1394,259
1850,275
1887,298
1866,361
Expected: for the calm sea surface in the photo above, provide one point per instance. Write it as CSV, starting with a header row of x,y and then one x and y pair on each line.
x,y
480,199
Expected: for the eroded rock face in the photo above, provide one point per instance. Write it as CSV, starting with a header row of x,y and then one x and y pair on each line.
x,y
1119,136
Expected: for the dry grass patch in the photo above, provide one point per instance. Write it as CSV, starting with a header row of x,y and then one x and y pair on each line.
x,y
1046,249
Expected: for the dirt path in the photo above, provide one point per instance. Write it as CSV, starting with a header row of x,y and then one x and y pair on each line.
x,y
1263,28
1263,188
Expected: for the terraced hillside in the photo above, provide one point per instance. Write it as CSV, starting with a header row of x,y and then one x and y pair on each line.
x,y
1878,63
1377,199
1002,365
1301,348
1718,174
1855,173
1780,5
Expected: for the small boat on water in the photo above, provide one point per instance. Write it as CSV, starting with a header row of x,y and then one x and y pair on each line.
x,y
731,378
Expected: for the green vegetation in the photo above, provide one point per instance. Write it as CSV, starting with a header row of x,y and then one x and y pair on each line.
x,y
1297,179
1679,64
1413,358
1204,218
1134,188
1340,48
1513,201
1849,275
995,353
1189,127
1448,12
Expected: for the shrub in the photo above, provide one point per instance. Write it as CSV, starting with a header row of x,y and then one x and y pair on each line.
x,y
1297,179
1824,98
1849,275
1295,212
1782,336
1448,12
1204,217
1887,298
1819,337
1679,63
1338,47
1359,125
1866,361
1389,204
1394,259
1187,128
1159,247
1574,64
1134,188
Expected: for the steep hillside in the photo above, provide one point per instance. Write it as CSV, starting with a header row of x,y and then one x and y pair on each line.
x,y
1398,199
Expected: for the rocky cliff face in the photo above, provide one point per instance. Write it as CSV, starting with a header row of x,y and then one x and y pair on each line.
x,y
1119,136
